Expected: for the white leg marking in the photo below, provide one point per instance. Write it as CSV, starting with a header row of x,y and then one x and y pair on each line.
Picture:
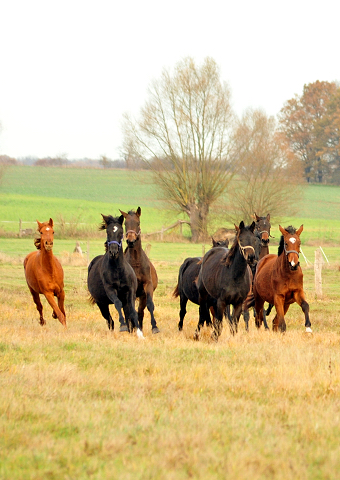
x,y
309,330
140,333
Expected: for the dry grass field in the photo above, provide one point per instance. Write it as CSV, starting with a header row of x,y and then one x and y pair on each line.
x,y
85,403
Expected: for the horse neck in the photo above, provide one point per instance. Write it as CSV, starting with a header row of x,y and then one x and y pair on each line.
x,y
239,264
136,251
47,259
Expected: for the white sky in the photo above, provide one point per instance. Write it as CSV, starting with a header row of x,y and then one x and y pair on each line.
x,y
70,69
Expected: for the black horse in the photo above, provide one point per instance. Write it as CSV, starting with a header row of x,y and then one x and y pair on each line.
x,y
111,280
186,288
225,277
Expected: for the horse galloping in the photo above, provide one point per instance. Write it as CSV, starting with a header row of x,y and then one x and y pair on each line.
x,y
279,280
224,276
44,274
146,274
111,279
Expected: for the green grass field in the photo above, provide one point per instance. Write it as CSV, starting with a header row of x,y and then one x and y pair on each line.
x,y
79,196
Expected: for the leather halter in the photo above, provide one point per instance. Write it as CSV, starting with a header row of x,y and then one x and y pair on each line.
x,y
133,231
243,248
290,251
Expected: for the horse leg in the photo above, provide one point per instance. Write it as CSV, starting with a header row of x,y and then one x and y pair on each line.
x,y
300,300
38,304
246,317
61,317
265,320
118,305
269,309
104,310
204,316
280,307
259,312
218,320
236,316
141,308
151,307
182,311
61,299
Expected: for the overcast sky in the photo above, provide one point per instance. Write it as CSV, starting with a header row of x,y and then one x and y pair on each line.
x,y
70,69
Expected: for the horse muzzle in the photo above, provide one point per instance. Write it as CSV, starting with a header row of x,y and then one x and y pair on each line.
x,y
48,246
294,267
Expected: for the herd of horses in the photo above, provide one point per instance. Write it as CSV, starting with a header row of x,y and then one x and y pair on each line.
x,y
242,276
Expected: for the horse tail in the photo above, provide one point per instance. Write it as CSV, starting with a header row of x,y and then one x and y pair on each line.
x,y
182,269
175,293
92,300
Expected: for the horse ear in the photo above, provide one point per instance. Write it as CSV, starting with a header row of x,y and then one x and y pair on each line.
x,y
236,228
282,230
268,217
214,244
39,225
121,219
298,232
105,218
123,213
51,222
241,225
252,227
256,217
139,212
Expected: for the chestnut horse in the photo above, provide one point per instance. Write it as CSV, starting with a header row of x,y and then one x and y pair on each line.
x,y
279,280
44,274
146,274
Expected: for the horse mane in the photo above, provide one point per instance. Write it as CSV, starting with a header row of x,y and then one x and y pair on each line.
x,y
231,254
292,231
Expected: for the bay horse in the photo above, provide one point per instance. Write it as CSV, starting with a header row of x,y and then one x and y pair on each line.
x,y
44,274
186,288
262,230
111,279
146,274
279,280
224,276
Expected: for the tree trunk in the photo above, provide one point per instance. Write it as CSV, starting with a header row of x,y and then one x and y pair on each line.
x,y
198,215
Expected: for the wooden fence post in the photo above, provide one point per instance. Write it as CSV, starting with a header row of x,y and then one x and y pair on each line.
x,y
317,272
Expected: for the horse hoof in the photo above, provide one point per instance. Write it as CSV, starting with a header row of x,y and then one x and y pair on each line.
x,y
155,330
309,330
140,333
123,328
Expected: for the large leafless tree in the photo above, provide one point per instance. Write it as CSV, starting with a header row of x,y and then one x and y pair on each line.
x,y
184,134
268,180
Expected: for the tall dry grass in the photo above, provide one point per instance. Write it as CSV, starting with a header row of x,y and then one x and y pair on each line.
x,y
87,403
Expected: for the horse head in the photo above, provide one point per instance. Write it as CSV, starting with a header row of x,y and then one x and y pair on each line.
x,y
262,228
114,232
46,235
220,243
132,226
290,244
246,241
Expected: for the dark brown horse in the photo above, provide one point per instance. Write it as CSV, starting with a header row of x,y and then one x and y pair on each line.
x,y
146,274
262,230
186,288
44,274
279,280
224,276
111,280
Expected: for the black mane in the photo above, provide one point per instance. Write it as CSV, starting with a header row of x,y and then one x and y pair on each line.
x,y
292,231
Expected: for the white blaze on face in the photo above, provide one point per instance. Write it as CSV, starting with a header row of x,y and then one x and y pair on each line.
x,y
47,229
115,229
292,240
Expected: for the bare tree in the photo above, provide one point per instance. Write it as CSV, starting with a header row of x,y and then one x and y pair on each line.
x,y
183,134
269,178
